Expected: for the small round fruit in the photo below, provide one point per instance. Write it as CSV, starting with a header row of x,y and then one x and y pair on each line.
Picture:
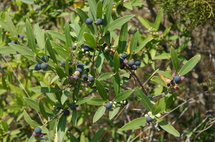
x,y
148,119
91,79
66,112
99,21
37,130
73,46
124,55
79,69
177,79
44,66
133,67
72,107
62,62
75,77
37,67
77,73
84,77
131,62
14,42
137,62
108,105
45,58
89,21
21,36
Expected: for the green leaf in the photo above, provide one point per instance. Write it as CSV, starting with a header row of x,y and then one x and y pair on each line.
x,y
30,35
97,135
116,62
174,58
123,38
158,19
116,83
21,49
96,101
92,6
7,50
74,117
144,99
42,110
119,22
68,36
99,61
72,138
113,112
166,74
167,127
29,120
143,44
90,40
99,10
83,100
99,113
40,37
123,95
134,124
166,31
57,35
60,72
145,23
28,1
101,90
134,41
44,89
10,24
61,127
105,76
64,96
158,80
183,45
51,51
189,65
33,104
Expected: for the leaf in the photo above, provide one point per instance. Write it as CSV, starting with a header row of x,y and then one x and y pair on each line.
x,y
166,31
97,135
101,90
167,127
144,99
158,19
30,35
42,110
134,124
99,61
51,51
158,80
123,38
99,113
68,36
143,44
60,72
92,6
189,65
113,112
119,22
123,95
174,58
61,127
183,45
116,62
64,96
145,23
29,120
116,83
44,89
10,24
96,101
90,40
134,41
105,76
21,49
83,100
7,50
40,37
57,35
72,138
28,1
33,104
99,10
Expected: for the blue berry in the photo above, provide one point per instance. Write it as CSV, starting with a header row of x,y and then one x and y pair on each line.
x,y
99,21
124,55
80,70
148,119
14,42
85,77
75,77
21,36
177,79
66,112
37,130
72,107
137,62
89,21
62,62
133,67
44,66
91,79
131,62
45,58
37,67
108,105
73,46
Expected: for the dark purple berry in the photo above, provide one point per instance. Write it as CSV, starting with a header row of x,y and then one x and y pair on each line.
x,y
91,79
21,36
72,107
14,42
131,62
80,70
99,21
89,21
37,130
177,79
45,58
122,66
37,67
44,66
108,105
124,55
121,60
87,48
75,77
137,62
66,112
62,62
84,77
73,46
133,67
148,119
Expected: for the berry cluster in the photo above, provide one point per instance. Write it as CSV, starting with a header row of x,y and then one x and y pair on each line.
x,y
131,64
150,117
114,104
43,65
176,80
37,132
99,21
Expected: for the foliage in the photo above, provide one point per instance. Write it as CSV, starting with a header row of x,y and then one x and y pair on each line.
x,y
34,97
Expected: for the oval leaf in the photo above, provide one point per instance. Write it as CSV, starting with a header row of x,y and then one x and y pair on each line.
x,y
44,89
123,95
174,58
101,90
99,113
113,112
90,40
134,124
116,62
189,65
29,120
105,76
